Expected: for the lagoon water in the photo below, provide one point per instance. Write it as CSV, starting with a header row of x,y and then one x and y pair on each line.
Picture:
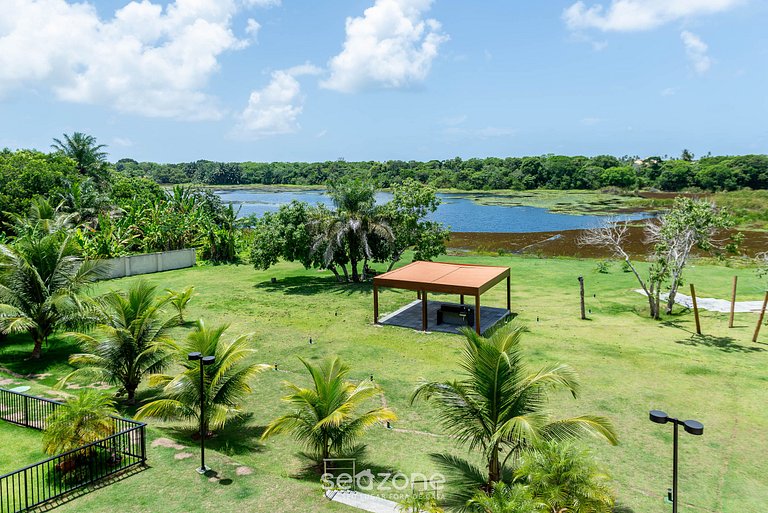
x,y
457,211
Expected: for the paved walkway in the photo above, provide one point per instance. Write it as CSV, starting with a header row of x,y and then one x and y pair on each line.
x,y
363,501
712,304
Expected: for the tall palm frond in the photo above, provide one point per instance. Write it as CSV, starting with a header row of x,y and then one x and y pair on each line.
x,y
325,418
226,382
83,419
131,339
498,407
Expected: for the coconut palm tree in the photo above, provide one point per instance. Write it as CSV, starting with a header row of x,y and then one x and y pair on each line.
x,y
42,218
225,383
352,225
88,156
497,408
325,418
179,300
42,284
130,341
81,420
565,478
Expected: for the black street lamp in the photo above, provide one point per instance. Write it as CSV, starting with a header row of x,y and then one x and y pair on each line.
x,y
693,427
204,360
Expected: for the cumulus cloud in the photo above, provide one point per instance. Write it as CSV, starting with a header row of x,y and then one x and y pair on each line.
x,y
696,50
262,3
148,59
390,46
275,109
635,15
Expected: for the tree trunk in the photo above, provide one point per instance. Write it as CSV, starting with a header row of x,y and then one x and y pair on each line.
x,y
494,468
353,265
131,393
335,273
38,349
346,273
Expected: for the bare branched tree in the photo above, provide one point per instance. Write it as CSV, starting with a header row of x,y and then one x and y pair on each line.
x,y
612,236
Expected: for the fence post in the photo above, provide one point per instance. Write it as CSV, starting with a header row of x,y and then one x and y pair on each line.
x,y
581,291
733,301
26,493
695,310
142,433
26,411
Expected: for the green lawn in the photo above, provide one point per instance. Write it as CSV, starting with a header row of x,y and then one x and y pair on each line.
x,y
628,365
19,447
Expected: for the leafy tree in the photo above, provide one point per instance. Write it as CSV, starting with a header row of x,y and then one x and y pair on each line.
x,y
406,214
90,159
226,382
564,478
623,176
130,341
686,155
325,418
25,174
687,225
497,409
83,419
42,284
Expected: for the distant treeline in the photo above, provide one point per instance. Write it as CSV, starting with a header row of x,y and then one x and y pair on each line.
x,y
547,171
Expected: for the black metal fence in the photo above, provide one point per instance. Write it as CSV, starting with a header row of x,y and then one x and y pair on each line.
x,y
64,473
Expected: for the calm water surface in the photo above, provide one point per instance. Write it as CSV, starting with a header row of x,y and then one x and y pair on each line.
x,y
457,211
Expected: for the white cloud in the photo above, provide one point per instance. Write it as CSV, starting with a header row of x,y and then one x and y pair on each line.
x,y
275,109
696,50
635,15
252,28
262,3
390,46
146,60
669,91
122,141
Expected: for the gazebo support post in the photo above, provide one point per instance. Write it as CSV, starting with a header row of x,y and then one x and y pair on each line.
x,y
509,304
477,313
461,298
424,323
375,304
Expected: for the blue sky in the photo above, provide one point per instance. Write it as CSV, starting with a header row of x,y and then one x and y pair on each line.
x,y
304,80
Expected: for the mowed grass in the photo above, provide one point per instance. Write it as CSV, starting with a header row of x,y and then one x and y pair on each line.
x,y
19,447
628,365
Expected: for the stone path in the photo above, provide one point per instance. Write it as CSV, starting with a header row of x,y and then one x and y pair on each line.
x,y
712,304
363,501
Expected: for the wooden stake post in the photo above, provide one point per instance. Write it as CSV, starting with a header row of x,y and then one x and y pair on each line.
x,y
762,316
695,310
733,301
581,292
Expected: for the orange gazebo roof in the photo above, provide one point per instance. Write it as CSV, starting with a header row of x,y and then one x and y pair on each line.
x,y
444,277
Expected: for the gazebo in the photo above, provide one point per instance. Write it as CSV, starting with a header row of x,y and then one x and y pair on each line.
x,y
440,277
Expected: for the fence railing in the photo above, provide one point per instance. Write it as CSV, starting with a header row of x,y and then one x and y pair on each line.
x,y
64,473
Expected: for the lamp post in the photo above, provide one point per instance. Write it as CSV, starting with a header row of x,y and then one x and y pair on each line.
x,y
691,426
204,360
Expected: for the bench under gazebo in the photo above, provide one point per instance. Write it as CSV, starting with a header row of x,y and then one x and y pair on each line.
x,y
445,278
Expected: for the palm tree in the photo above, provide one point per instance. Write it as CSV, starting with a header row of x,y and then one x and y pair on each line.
x,y
130,340
179,300
83,419
498,409
325,418
225,384
42,218
353,224
565,478
506,499
42,284
88,155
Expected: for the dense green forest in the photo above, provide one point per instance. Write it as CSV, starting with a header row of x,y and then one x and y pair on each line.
x,y
710,173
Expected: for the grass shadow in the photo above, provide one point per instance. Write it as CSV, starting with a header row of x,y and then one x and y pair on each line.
x,y
55,503
15,354
313,285
237,437
725,344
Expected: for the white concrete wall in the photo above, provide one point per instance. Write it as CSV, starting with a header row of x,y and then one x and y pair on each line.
x,y
151,263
